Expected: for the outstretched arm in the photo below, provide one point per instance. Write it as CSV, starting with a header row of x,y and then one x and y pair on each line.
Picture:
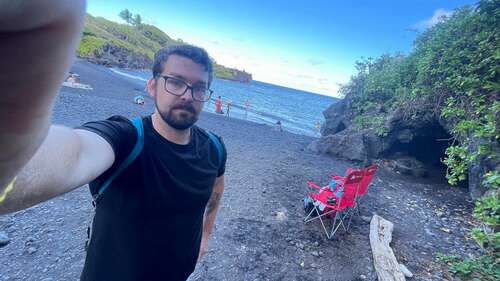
x,y
37,43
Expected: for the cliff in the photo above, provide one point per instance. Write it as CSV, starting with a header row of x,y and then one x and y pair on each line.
x,y
133,46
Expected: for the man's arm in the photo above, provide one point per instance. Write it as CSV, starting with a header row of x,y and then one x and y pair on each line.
x,y
37,43
67,159
211,214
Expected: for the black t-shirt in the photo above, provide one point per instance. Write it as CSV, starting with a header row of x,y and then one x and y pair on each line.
x,y
148,222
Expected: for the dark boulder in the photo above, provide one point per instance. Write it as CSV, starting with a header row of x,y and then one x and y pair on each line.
x,y
346,144
113,55
478,168
414,142
336,118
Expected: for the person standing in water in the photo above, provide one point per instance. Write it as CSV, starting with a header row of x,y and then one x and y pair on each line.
x,y
228,104
218,105
317,125
247,106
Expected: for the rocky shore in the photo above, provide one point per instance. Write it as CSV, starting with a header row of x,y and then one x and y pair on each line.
x,y
260,234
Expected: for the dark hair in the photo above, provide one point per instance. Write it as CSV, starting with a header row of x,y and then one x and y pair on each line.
x,y
196,54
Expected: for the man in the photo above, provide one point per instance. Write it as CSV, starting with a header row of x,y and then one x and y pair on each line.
x,y
228,104
247,106
151,223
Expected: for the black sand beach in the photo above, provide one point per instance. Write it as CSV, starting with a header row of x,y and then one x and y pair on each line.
x,y
259,234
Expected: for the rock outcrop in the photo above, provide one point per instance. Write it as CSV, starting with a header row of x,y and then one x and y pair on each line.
x,y
414,146
241,76
113,55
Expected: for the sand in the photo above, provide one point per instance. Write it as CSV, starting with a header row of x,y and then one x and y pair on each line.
x,y
259,234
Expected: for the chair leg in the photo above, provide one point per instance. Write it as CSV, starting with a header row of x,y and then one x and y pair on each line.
x,y
349,222
310,218
324,228
320,217
306,219
336,226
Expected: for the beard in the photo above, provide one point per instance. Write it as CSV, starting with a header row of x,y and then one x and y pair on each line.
x,y
180,116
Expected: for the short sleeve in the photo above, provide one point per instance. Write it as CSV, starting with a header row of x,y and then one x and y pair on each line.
x,y
222,167
118,131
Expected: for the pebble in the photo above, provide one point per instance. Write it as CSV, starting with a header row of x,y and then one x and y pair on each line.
x,y
429,232
405,271
445,230
31,250
366,219
314,253
29,241
4,239
362,277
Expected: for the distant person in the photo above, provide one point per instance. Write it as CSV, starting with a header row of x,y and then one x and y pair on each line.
x,y
154,220
278,126
218,105
228,104
317,125
72,78
247,106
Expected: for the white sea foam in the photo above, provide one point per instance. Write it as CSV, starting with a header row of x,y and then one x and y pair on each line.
x,y
128,75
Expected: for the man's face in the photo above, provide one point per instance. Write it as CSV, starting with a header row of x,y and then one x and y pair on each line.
x,y
179,112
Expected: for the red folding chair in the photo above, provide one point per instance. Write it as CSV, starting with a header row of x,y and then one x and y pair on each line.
x,y
368,174
345,199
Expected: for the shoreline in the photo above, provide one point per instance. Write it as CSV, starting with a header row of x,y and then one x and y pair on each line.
x,y
111,84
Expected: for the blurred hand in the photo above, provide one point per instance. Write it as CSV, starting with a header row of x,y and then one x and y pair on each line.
x,y
37,44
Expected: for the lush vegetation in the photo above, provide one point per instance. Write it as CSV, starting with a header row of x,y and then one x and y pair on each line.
x,y
136,39
452,73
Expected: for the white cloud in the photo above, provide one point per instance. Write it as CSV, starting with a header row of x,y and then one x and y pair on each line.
x,y
314,62
273,69
438,16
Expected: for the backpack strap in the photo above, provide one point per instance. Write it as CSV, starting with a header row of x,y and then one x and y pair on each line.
x,y
137,122
218,145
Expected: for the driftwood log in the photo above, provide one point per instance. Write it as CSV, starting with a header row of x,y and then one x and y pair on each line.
x,y
385,262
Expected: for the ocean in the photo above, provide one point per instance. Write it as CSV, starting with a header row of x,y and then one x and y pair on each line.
x,y
298,111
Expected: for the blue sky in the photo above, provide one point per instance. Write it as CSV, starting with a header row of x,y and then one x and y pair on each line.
x,y
308,45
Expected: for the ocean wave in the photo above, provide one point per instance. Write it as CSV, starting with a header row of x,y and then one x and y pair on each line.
x,y
128,75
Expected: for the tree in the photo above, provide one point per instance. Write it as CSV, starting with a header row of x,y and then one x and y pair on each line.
x,y
137,20
126,15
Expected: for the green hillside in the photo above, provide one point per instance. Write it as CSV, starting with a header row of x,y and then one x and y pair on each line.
x,y
130,46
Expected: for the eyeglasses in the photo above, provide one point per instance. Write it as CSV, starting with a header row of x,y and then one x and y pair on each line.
x,y
178,87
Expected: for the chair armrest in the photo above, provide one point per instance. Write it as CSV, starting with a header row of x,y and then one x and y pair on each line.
x,y
313,185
